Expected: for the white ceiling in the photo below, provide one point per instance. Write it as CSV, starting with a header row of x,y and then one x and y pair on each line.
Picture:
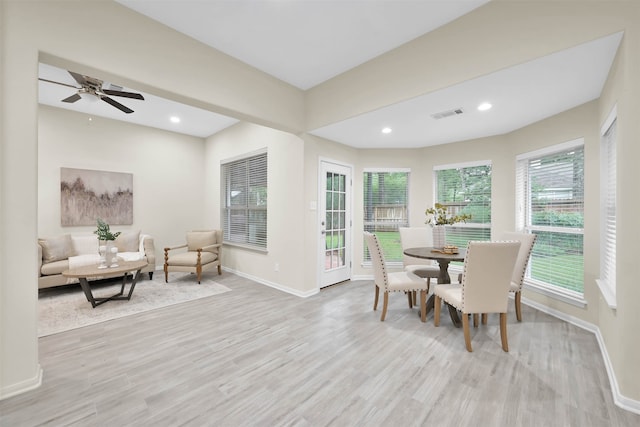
x,y
153,111
306,42
520,95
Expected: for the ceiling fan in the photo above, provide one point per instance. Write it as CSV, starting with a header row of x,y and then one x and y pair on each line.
x,y
92,86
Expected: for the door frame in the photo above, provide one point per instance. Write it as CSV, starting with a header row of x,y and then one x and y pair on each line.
x,y
321,242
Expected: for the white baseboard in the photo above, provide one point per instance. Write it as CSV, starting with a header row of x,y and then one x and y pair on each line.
x,y
620,400
274,285
23,386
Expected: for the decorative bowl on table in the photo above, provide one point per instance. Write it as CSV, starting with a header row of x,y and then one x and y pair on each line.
x,y
450,249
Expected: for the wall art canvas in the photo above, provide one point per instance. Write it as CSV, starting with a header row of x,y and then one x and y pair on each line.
x,y
86,195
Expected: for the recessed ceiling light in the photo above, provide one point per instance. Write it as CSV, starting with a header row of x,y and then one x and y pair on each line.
x,y
386,130
175,119
484,106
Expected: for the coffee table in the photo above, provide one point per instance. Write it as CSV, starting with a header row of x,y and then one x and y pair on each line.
x,y
92,271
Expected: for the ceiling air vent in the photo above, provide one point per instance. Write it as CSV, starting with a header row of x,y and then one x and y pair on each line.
x,y
448,113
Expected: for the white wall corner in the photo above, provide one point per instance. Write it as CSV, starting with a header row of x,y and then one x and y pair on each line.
x,y
23,386
274,285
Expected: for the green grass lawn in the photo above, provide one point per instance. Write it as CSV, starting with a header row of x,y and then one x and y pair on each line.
x,y
390,242
553,269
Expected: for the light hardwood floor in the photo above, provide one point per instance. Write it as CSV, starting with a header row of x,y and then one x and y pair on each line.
x,y
258,357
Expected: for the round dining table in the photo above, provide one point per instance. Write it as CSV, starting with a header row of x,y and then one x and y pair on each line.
x,y
443,260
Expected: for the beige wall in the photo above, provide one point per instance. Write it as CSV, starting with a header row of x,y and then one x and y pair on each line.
x,y
165,63
285,235
168,172
619,327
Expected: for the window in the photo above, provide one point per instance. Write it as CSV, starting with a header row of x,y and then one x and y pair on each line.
x,y
607,281
466,189
386,209
244,208
550,185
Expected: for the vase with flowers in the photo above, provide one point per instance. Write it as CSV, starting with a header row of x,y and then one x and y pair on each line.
x,y
108,252
439,218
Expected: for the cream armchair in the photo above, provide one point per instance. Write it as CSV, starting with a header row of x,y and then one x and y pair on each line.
x,y
203,250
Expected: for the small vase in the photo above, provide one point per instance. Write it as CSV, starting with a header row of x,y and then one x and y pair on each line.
x,y
439,236
114,257
109,258
102,250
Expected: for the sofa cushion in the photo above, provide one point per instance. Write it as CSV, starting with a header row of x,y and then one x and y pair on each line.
x,y
56,248
128,242
55,267
85,244
189,259
199,239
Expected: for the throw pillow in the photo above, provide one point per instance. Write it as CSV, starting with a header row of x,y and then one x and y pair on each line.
x,y
128,242
56,248
85,244
199,239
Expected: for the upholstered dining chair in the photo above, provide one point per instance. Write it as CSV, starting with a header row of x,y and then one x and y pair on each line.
x,y
414,237
482,289
401,281
527,241
203,251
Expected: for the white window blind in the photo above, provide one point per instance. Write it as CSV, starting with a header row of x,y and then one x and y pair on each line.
x,y
244,208
466,189
608,215
386,209
551,205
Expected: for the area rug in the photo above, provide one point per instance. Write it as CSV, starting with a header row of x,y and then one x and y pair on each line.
x,y
66,308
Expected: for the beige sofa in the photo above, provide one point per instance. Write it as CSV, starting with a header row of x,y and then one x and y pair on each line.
x,y
57,254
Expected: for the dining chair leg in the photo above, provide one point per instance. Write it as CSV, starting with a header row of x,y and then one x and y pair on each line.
x,y
503,331
375,301
410,297
467,332
415,299
484,318
518,296
385,301
423,306
475,320
436,311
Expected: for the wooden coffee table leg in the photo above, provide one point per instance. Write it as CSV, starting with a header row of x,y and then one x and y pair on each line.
x,y
87,291
134,280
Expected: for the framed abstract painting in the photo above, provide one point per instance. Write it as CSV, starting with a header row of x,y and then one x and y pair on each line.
x,y
86,195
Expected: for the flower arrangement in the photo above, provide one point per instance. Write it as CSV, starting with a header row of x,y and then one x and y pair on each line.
x,y
439,216
103,232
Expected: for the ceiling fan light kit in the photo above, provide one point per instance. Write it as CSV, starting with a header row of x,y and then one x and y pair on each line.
x,y
91,89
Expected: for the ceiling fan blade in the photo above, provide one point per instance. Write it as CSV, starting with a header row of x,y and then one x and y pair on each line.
x,y
123,94
73,98
58,83
78,77
116,104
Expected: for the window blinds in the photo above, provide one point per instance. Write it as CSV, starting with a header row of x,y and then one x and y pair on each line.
x,y
608,200
552,188
386,209
466,189
244,212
